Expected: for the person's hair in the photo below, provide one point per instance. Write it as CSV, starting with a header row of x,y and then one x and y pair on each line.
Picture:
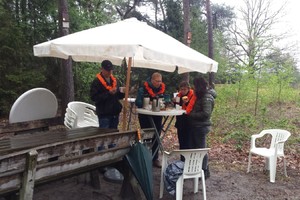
x,y
155,74
184,84
200,85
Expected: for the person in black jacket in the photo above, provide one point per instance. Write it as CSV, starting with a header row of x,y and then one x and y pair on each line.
x,y
106,95
151,88
199,113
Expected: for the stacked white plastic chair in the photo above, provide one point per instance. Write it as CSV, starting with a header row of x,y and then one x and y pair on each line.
x,y
80,114
275,150
192,169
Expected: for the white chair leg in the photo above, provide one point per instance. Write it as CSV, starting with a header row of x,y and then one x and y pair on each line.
x,y
179,188
203,185
196,183
272,167
284,166
161,187
267,163
249,162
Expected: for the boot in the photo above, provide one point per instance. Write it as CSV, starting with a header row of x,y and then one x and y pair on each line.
x,y
206,173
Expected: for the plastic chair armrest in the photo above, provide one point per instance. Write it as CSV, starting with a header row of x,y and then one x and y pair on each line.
x,y
254,137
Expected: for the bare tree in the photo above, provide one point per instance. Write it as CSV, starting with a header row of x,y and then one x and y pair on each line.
x,y
252,36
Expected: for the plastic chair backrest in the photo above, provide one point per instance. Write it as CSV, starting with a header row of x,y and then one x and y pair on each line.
x,y
193,161
278,135
85,114
70,119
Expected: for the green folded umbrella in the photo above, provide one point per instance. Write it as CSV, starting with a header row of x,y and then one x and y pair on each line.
x,y
139,159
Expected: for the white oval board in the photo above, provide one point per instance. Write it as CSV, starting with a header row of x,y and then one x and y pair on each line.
x,y
35,104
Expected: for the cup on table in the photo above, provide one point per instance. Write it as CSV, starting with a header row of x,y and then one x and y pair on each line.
x,y
177,99
178,107
122,89
146,102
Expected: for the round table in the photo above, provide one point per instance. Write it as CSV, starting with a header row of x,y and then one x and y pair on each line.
x,y
164,113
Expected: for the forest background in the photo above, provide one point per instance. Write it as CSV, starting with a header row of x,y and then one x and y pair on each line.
x,y
257,81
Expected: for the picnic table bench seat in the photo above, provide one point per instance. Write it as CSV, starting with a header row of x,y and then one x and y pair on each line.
x,y
28,160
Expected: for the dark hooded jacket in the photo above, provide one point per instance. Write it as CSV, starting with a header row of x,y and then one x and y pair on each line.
x,y
201,113
106,104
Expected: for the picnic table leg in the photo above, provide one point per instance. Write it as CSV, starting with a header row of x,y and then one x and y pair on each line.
x,y
27,187
130,188
95,179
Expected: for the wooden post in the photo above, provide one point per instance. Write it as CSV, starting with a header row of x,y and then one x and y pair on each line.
x,y
27,187
126,93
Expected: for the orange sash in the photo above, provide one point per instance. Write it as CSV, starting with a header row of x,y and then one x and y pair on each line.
x,y
191,104
189,95
151,92
104,83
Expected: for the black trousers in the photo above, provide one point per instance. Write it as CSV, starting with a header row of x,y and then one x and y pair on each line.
x,y
182,131
197,139
146,123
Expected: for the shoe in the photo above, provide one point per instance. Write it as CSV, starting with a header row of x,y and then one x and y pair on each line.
x,y
206,173
156,163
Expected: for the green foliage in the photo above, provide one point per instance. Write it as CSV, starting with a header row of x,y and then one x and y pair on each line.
x,y
237,122
240,137
174,19
18,71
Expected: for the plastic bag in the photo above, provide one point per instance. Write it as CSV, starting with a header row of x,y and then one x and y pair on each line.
x,y
173,171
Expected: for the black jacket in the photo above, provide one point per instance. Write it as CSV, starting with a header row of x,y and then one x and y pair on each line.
x,y
106,104
202,110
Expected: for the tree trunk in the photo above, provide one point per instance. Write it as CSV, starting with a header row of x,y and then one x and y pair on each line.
x,y
187,31
210,40
67,93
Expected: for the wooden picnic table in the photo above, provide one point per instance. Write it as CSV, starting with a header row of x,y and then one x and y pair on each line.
x,y
30,159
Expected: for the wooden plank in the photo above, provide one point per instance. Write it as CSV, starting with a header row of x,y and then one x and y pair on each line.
x,y
26,141
26,192
23,127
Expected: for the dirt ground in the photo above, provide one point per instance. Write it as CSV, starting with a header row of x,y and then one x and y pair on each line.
x,y
228,181
225,183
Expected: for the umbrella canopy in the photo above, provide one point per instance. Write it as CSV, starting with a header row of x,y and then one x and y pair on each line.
x,y
140,162
142,45
130,38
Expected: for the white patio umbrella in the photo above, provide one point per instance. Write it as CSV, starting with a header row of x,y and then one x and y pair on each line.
x,y
139,43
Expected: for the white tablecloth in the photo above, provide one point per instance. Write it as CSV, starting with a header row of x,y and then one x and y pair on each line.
x,y
172,112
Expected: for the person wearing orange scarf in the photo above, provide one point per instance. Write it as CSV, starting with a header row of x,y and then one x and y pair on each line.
x,y
106,95
198,118
151,88
184,96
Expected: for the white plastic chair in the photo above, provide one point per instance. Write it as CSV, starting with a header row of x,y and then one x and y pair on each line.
x,y
271,154
80,114
192,169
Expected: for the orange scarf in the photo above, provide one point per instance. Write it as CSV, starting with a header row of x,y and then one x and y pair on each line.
x,y
190,94
151,92
104,83
191,104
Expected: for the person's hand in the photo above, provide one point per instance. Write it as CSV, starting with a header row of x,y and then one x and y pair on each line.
x,y
113,91
185,99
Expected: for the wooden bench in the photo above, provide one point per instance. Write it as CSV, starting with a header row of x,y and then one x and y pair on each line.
x,y
8,130
28,160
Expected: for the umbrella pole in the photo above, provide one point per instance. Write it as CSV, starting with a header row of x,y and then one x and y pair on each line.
x,y
126,93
